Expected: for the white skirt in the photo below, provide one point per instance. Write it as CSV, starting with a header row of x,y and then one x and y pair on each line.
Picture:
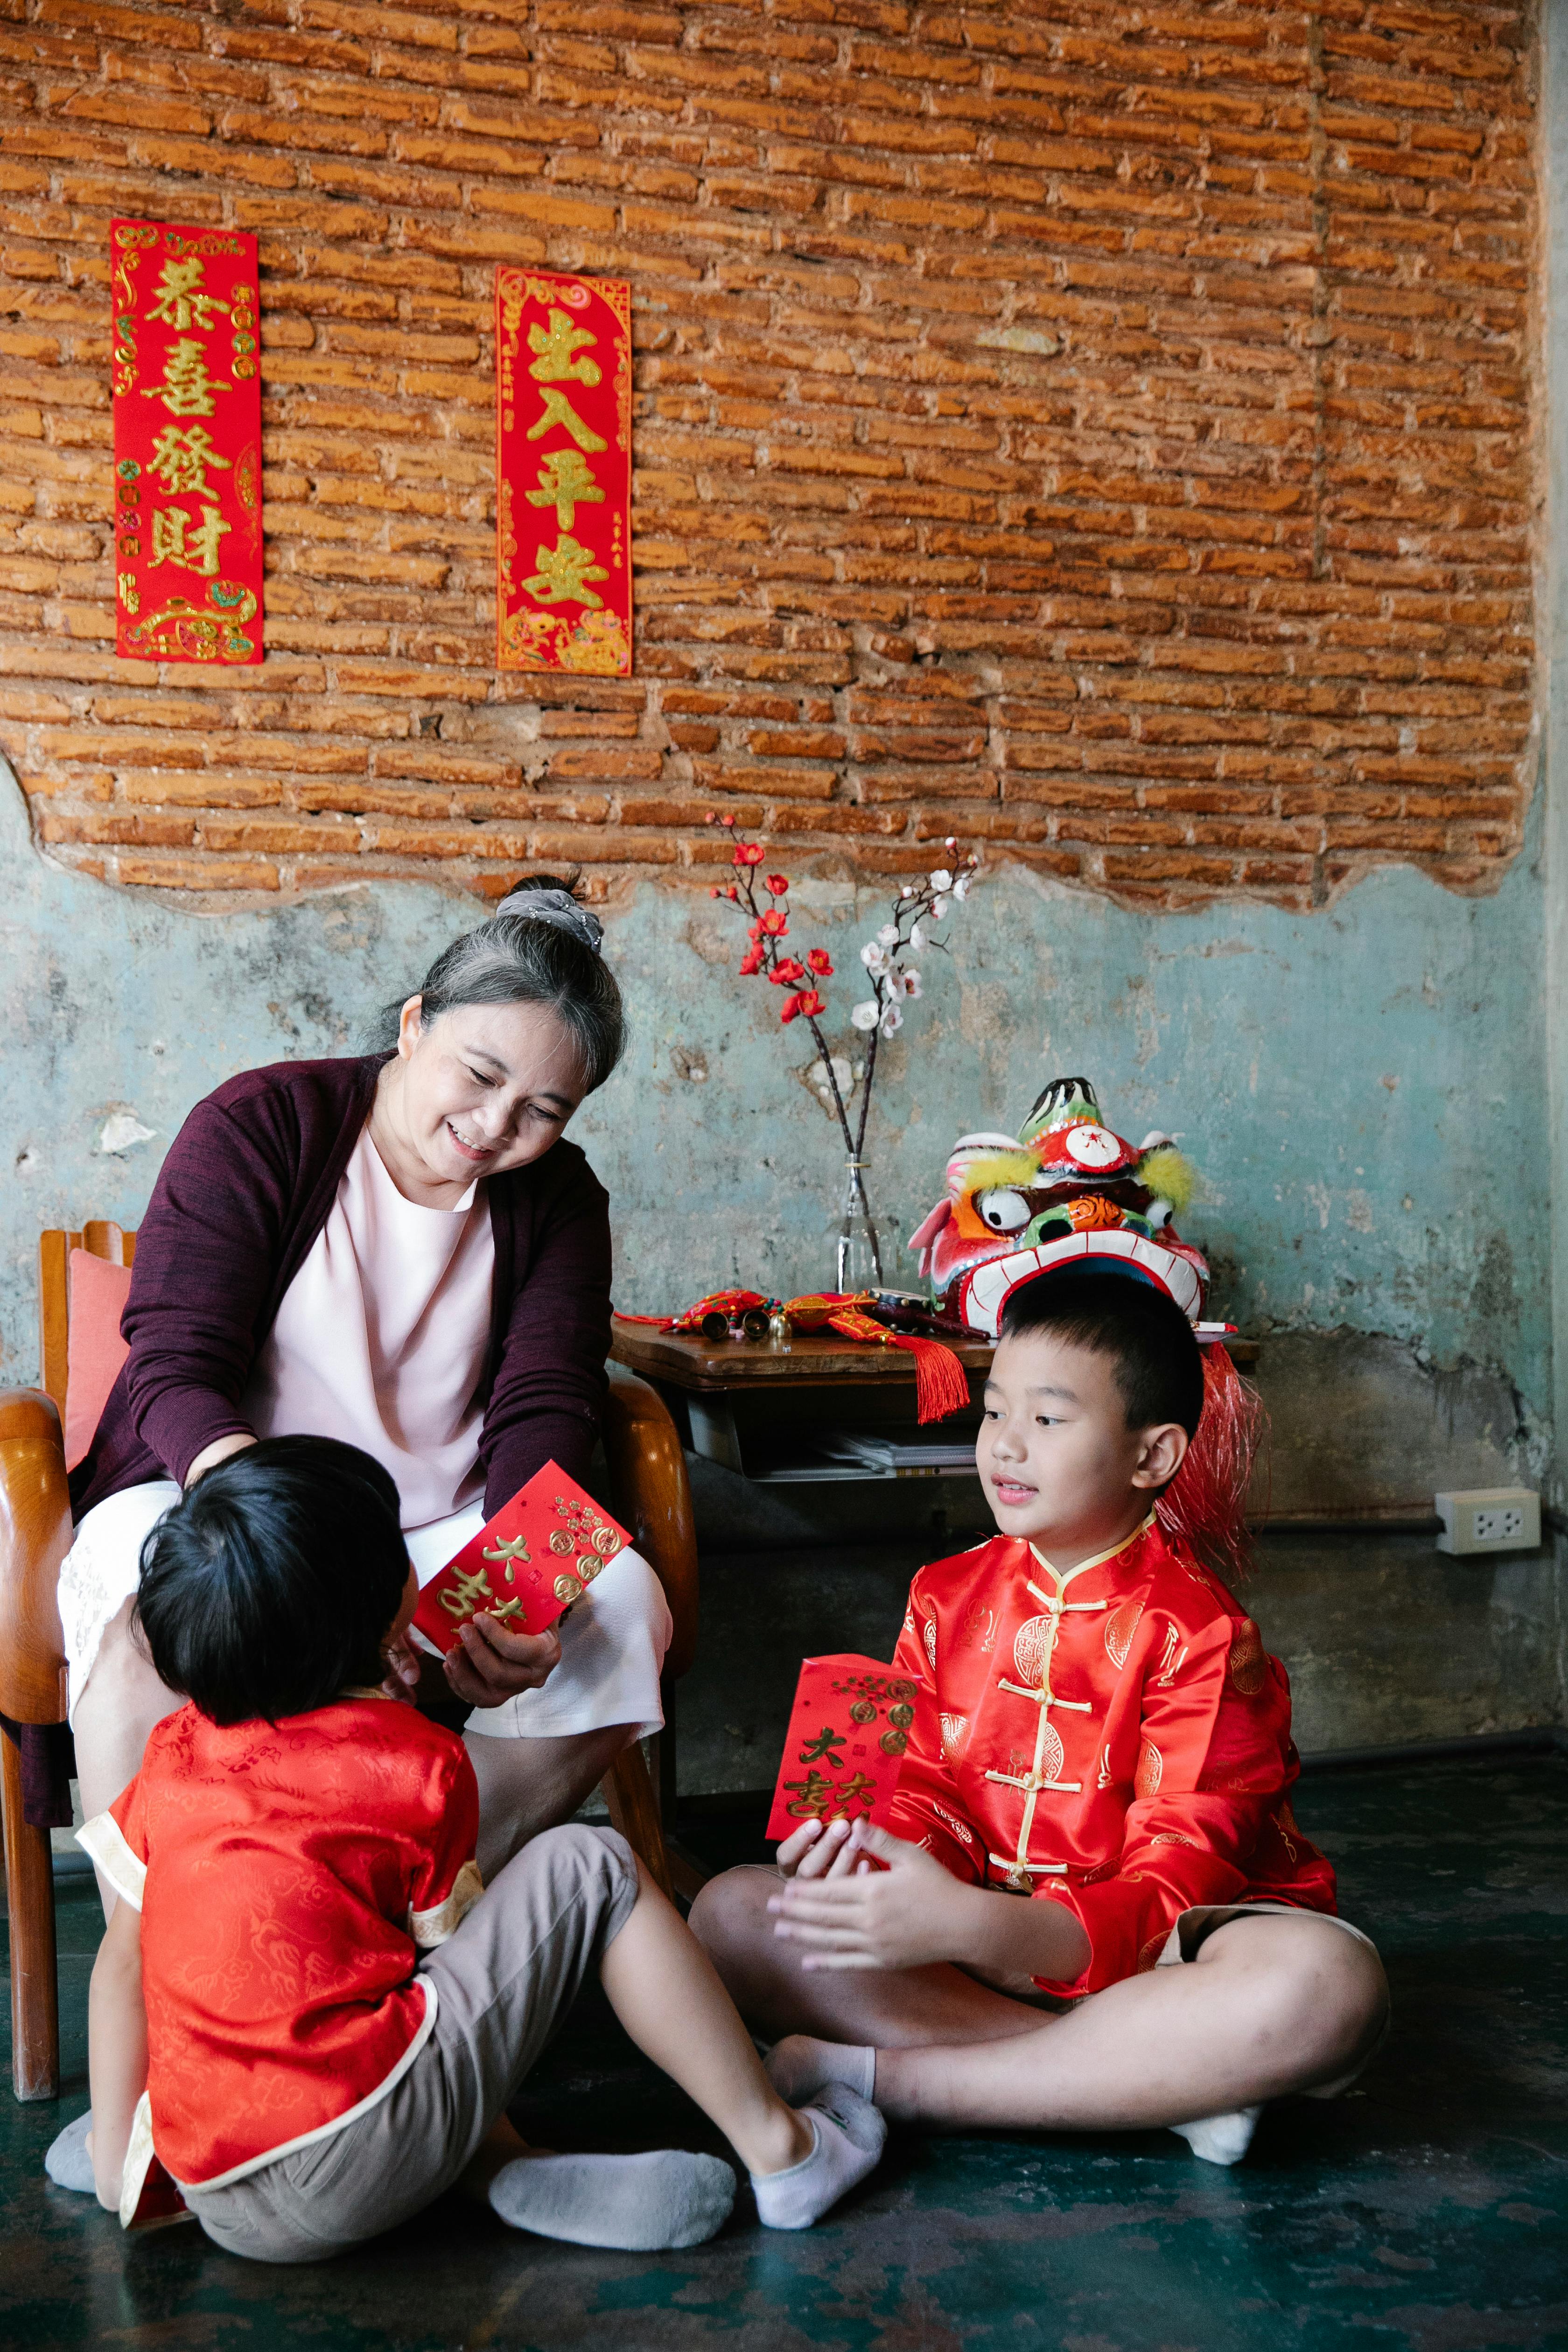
x,y
612,1643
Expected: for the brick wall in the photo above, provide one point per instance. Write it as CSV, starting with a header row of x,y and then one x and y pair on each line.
x,y
1105,431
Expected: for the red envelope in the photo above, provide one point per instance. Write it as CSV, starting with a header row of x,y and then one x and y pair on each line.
x,y
539,1554
149,2199
848,1729
158,2202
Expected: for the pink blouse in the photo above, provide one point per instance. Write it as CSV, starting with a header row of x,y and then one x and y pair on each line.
x,y
381,1338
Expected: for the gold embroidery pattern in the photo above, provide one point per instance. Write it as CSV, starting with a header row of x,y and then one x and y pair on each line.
x,y
955,1732
1120,1628
1170,1658
958,1828
980,1629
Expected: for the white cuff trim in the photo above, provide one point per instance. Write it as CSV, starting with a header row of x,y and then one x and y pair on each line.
x,y
104,1841
431,1927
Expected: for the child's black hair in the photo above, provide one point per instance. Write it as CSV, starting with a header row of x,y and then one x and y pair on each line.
x,y
273,1583
1159,1364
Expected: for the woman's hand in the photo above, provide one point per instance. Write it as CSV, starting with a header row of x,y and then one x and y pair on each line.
x,y
850,1914
490,1665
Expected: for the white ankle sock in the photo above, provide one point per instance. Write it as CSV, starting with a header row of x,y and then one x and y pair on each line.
x,y
1221,2139
66,2161
640,2203
800,2065
847,2134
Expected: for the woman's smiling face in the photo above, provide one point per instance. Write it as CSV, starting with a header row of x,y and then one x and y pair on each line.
x,y
482,1089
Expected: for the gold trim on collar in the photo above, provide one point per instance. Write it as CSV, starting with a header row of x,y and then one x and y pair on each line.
x,y
1063,1578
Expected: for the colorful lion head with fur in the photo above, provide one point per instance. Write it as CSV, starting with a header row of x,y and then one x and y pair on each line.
x,y
1068,1192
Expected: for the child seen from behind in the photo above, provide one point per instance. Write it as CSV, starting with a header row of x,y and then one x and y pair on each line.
x,y
305,2002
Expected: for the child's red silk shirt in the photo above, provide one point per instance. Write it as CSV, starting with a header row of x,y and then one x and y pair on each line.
x,y
1116,1738
287,1875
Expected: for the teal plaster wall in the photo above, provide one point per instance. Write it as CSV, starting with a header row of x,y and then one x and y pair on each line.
x,y
1363,1086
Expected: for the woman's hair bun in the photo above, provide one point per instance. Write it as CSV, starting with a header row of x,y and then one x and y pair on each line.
x,y
567,882
546,898
539,946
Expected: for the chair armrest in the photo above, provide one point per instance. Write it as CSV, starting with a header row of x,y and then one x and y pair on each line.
x,y
653,1495
35,1537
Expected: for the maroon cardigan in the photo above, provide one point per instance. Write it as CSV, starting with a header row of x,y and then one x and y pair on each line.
x,y
247,1187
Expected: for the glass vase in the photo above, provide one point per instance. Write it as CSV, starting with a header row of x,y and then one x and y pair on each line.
x,y
857,1252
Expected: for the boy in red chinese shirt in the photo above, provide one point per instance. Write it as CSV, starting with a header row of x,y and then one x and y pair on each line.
x,y
1100,1730
305,2002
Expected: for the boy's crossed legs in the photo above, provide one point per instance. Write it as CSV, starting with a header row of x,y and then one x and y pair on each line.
x,y
1272,2005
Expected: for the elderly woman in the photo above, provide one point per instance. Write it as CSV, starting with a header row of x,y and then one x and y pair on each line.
x,y
400,1251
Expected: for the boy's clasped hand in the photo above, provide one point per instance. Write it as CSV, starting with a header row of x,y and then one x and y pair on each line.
x,y
856,1896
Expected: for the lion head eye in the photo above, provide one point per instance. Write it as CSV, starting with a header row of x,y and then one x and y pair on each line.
x,y
1004,1211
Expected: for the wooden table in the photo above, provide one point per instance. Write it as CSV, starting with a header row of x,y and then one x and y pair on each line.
x,y
749,1401
755,1405
820,1357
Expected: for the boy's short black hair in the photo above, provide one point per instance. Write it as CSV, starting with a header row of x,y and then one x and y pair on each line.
x,y
272,1584
1159,1364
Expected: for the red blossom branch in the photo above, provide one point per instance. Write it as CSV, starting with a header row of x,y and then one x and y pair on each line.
x,y
892,977
768,925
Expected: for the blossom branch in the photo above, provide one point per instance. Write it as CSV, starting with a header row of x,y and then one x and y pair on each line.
x,y
886,957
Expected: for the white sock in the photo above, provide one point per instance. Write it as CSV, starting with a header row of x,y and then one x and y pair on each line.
x,y
640,2203
66,2161
800,2065
1221,2139
847,2133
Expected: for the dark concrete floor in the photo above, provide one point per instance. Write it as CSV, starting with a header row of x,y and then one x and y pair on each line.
x,y
1426,2210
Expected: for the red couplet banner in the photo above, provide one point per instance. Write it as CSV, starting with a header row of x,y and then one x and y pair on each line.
x,y
563,473
187,444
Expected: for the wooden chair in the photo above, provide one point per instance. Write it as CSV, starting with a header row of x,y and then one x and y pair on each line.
x,y
649,1493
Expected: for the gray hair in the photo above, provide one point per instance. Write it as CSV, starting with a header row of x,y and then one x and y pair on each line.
x,y
540,947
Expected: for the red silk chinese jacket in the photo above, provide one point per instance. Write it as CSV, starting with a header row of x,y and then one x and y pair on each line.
x,y
1115,1737
288,1874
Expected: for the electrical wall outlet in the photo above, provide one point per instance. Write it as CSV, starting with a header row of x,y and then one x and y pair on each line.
x,y
1490,1520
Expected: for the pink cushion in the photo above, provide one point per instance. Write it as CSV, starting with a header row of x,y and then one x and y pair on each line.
x,y
94,1348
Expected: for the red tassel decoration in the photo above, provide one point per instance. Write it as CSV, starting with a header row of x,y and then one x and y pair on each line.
x,y
941,1385
1205,1506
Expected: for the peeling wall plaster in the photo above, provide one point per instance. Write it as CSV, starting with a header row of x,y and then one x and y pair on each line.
x,y
1362,1086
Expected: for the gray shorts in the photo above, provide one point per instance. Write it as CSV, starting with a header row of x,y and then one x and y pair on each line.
x,y
505,1979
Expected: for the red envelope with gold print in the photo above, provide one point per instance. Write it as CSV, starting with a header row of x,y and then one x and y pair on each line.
x,y
539,1554
848,1729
